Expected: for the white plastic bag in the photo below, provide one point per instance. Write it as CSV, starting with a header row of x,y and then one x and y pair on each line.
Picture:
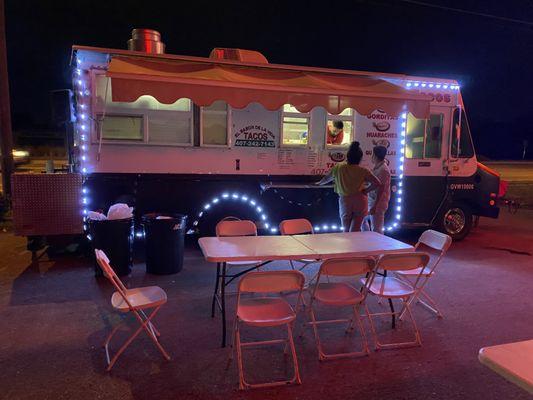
x,y
120,211
95,215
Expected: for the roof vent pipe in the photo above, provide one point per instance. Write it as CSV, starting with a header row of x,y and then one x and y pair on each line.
x,y
146,40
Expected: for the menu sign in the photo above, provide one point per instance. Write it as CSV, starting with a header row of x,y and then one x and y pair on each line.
x,y
254,126
379,129
254,136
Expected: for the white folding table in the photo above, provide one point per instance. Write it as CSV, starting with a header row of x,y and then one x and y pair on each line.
x,y
269,248
352,244
513,361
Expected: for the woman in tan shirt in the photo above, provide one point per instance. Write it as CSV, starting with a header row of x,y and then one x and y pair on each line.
x,y
349,180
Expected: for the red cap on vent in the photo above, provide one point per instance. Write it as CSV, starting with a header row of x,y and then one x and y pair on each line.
x,y
221,53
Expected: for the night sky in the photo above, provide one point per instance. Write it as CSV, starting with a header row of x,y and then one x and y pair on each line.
x,y
491,58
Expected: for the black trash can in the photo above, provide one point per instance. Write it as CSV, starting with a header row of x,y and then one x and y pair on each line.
x,y
115,238
164,242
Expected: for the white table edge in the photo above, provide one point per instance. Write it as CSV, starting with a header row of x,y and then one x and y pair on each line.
x,y
503,371
256,258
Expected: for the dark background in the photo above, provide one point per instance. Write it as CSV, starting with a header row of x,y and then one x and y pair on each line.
x,y
491,58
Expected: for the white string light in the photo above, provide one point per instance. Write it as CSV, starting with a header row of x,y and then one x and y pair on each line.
x,y
431,85
81,83
234,197
399,183
259,210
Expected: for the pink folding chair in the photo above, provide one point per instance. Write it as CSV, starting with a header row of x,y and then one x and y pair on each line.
x,y
437,244
234,227
297,227
393,288
134,301
267,311
342,294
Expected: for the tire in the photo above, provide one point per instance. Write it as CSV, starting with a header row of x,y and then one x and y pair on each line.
x,y
455,220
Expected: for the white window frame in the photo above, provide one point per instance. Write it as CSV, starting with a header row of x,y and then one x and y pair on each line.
x,y
145,114
96,138
284,114
228,124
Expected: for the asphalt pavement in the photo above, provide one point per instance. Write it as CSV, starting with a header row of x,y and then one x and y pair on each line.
x,y
55,316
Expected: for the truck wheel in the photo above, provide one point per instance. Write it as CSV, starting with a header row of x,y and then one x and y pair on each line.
x,y
455,220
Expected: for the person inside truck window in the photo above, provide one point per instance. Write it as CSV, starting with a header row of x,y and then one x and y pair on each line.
x,y
349,180
376,209
336,132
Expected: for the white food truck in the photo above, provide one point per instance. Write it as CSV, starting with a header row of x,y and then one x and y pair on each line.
x,y
233,135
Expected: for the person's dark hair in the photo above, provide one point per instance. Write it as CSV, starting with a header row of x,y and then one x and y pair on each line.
x,y
355,154
338,124
380,152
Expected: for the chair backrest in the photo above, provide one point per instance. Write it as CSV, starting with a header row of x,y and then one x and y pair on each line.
x,y
436,240
236,228
109,273
403,261
295,226
348,266
271,282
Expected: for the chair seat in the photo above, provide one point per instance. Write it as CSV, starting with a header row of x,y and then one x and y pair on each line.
x,y
338,293
143,297
242,263
393,287
415,272
265,311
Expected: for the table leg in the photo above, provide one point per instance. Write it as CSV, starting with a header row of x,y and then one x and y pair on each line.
x,y
223,301
391,305
215,294
393,315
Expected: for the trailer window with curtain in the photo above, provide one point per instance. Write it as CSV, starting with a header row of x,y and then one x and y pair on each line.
x,y
214,125
161,123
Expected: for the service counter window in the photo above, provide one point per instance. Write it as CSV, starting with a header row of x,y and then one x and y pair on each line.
x,y
168,124
214,125
424,137
339,129
461,145
295,127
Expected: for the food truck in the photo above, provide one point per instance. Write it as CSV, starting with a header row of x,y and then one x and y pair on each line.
x,y
234,135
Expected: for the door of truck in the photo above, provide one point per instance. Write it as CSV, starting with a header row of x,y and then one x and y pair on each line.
x,y
462,161
464,192
426,154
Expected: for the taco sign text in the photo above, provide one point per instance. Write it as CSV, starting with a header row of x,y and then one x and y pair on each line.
x,y
254,136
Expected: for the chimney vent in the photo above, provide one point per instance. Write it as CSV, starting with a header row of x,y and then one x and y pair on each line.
x,y
146,40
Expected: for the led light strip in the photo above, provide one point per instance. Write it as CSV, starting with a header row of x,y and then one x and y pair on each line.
x,y
259,209
243,199
431,85
397,208
82,129
328,227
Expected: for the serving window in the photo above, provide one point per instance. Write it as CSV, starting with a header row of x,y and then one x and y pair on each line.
x,y
295,127
340,129
144,120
